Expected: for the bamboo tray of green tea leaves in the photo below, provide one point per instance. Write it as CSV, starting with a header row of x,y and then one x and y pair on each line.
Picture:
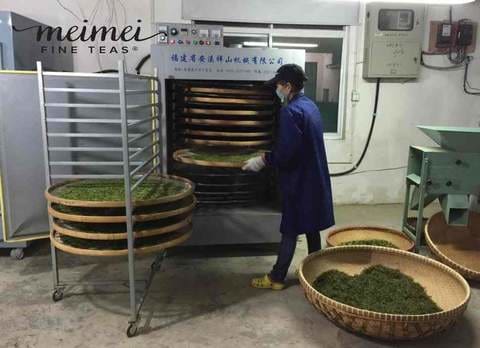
x,y
109,248
118,215
116,231
369,235
385,293
216,158
111,193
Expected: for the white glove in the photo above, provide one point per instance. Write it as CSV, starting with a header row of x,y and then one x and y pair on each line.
x,y
254,164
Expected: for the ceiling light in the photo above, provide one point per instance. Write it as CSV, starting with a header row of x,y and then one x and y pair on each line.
x,y
429,2
279,44
298,45
254,44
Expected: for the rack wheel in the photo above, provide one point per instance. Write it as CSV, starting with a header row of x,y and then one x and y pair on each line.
x,y
57,295
132,330
17,254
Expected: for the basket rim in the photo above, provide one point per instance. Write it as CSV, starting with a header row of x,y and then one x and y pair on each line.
x,y
227,142
466,272
223,100
189,120
242,91
188,111
371,227
121,218
386,316
51,197
121,252
178,156
92,235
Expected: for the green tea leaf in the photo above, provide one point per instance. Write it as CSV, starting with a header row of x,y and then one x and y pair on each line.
x,y
377,288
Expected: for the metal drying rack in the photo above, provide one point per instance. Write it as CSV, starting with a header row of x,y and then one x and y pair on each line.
x,y
132,178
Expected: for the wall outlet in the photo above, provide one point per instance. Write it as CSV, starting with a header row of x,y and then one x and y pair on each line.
x,y
355,96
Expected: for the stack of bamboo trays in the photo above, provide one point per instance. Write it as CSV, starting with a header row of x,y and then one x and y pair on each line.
x,y
91,226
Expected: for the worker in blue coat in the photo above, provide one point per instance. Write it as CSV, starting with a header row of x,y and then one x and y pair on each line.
x,y
300,159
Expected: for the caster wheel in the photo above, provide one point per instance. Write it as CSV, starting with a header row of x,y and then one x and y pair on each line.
x,y
57,295
17,254
132,330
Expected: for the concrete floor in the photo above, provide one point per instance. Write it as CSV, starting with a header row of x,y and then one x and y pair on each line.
x,y
197,300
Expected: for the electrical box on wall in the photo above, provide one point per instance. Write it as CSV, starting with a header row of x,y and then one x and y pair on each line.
x,y
445,36
393,40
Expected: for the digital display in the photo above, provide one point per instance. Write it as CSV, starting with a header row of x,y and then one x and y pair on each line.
x,y
395,20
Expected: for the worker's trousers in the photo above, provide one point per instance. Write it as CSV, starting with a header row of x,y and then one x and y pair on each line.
x,y
286,251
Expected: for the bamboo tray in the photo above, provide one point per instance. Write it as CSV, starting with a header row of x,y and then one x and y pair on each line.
x,y
351,233
226,123
247,143
226,134
64,228
184,156
456,246
446,287
220,112
187,191
109,219
238,101
253,92
160,243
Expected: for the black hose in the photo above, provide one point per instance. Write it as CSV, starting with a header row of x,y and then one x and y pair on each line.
x,y
466,85
107,71
370,132
140,64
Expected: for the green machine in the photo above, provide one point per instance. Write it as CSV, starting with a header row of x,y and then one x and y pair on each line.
x,y
449,172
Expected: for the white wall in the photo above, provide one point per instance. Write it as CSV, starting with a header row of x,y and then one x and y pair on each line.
x,y
436,98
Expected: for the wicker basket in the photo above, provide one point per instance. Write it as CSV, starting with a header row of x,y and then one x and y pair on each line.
x,y
446,287
112,219
187,191
170,240
351,233
63,228
456,246
185,156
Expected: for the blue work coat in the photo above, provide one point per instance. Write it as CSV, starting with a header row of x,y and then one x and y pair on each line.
x,y
300,158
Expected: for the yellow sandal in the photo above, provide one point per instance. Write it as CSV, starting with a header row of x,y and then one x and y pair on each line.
x,y
266,283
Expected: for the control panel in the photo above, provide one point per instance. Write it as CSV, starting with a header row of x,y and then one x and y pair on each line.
x,y
189,34
393,38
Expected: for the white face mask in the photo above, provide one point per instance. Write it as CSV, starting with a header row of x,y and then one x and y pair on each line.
x,y
281,94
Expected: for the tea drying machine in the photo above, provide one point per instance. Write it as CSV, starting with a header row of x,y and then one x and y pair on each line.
x,y
214,101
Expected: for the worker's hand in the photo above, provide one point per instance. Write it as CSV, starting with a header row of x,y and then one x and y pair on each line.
x,y
254,164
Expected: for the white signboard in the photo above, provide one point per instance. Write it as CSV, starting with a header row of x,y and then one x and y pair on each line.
x,y
220,63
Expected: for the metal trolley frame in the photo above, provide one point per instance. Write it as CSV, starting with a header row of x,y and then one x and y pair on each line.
x,y
132,178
